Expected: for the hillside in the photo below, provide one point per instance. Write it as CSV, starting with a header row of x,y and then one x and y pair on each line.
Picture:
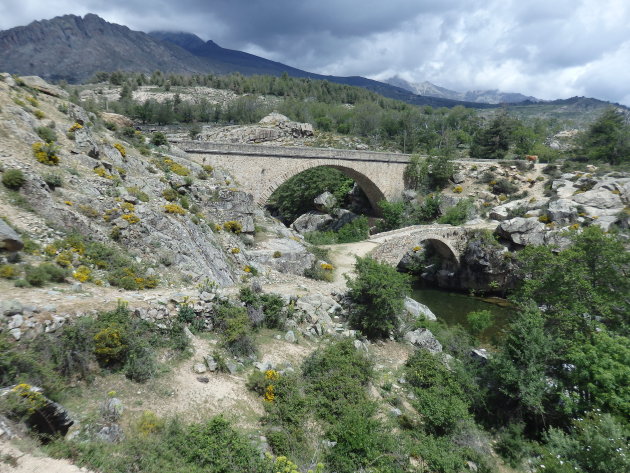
x,y
154,318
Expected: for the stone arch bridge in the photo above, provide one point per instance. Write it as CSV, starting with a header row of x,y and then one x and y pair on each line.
x,y
260,170
449,241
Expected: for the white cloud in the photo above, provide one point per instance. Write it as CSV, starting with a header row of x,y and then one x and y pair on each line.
x,y
545,48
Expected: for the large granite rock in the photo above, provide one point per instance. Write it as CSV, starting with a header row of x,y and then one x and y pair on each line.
x,y
9,239
600,199
37,83
423,338
325,202
312,221
523,231
417,309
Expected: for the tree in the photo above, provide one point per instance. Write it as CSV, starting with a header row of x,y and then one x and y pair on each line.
x,y
608,138
493,142
581,287
377,294
519,367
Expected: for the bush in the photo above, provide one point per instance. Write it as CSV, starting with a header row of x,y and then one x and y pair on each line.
x,y
336,378
377,294
13,179
233,323
36,275
159,139
233,226
47,134
438,396
8,271
459,214
46,153
53,180
480,320
320,272
503,186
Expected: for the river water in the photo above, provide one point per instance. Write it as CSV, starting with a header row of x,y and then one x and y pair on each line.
x,y
453,307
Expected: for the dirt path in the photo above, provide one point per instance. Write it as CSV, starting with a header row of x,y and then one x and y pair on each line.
x,y
13,460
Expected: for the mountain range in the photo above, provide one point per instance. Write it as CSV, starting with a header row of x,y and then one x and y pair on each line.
x,y
477,96
74,48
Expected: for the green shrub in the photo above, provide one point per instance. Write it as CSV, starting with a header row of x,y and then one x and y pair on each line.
x,y
459,214
319,272
53,180
336,378
13,179
233,226
438,396
503,186
159,139
36,275
377,294
47,134
480,320
233,323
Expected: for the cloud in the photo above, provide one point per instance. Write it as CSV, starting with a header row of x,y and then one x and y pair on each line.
x,y
545,48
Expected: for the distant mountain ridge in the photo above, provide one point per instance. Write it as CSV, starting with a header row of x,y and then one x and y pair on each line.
x,y
478,96
73,48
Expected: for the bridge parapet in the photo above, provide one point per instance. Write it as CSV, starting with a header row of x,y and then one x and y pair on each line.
x,y
289,152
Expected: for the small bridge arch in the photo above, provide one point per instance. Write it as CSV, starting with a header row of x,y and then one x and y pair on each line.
x,y
442,246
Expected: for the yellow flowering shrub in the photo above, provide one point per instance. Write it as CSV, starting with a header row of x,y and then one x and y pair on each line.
x,y
415,249
8,271
101,172
39,114
67,202
109,346
128,207
46,153
131,218
121,149
64,258
82,274
233,226
26,400
269,393
174,209
149,423
458,189
235,251
544,218
75,127
327,266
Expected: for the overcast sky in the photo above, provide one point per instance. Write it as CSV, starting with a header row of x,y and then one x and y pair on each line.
x,y
545,48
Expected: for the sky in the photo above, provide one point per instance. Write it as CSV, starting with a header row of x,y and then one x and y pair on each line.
x,y
545,48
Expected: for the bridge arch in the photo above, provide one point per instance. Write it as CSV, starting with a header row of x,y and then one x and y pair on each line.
x,y
442,247
371,190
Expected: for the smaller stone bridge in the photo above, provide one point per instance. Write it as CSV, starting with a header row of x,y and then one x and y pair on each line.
x,y
447,240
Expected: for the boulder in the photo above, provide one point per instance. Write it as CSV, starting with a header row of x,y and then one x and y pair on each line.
x,y
325,201
458,177
423,338
600,199
112,409
343,217
563,210
117,119
290,337
9,239
523,231
312,221
37,83
417,309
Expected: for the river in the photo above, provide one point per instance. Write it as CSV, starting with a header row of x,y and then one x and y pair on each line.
x,y
453,307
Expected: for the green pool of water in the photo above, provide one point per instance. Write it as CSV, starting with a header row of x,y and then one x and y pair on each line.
x,y
453,307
